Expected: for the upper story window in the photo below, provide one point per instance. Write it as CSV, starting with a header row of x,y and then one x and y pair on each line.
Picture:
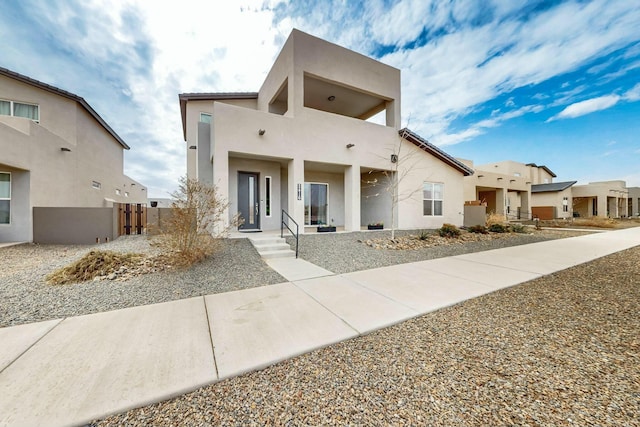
x,y
205,117
516,174
96,185
118,191
20,109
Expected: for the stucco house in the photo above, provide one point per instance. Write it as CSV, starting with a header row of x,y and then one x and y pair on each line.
x,y
305,143
55,151
553,200
505,187
608,199
634,202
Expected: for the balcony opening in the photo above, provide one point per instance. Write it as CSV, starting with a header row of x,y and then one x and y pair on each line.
x,y
332,97
280,103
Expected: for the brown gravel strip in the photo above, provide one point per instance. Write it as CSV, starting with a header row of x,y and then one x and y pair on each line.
x,y
562,350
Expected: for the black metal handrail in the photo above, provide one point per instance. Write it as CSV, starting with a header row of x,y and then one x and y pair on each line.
x,y
283,224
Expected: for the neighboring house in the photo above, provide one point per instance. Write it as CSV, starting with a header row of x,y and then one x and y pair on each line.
x,y
303,144
602,198
634,202
553,200
505,187
55,151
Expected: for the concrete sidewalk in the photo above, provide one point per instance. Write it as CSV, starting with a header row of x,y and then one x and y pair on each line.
x,y
71,371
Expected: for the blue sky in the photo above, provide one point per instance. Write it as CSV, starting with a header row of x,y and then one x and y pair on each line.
x,y
556,83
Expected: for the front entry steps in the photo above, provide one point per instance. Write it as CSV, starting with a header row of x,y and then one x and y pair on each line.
x,y
270,247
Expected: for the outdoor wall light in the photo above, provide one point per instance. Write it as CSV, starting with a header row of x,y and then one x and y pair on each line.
x,y
351,145
480,176
394,158
331,98
499,179
261,132
65,149
192,147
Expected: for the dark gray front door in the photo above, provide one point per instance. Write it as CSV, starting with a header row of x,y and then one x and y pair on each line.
x,y
248,200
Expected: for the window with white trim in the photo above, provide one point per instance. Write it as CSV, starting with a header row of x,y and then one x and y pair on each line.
x,y
5,198
205,117
432,198
126,194
565,204
117,191
20,109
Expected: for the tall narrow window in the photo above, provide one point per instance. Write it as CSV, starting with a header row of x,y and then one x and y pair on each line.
x,y
565,204
433,197
5,198
205,117
267,197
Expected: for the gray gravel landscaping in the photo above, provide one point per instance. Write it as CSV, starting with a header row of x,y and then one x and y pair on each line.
x,y
561,350
26,298
345,252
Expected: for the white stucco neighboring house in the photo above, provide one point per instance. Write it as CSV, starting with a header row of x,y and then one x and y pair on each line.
x,y
55,151
305,144
634,202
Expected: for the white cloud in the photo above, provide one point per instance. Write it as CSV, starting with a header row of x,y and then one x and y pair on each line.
x,y
588,106
632,94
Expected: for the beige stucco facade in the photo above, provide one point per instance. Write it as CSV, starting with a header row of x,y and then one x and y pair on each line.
x,y
68,157
505,187
304,136
634,202
608,199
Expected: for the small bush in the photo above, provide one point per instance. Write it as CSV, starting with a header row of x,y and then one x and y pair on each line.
x,y
193,230
480,229
423,235
518,228
449,230
498,228
93,264
494,218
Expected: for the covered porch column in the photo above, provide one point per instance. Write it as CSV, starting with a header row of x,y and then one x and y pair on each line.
x,y
352,198
221,180
525,205
295,185
601,206
500,201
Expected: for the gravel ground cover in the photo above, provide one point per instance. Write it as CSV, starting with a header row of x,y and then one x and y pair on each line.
x,y
346,252
561,350
26,298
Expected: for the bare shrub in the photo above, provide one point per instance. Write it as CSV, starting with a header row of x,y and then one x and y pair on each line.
x,y
196,224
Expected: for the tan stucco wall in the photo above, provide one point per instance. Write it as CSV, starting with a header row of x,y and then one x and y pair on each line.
x,y
555,199
611,198
61,178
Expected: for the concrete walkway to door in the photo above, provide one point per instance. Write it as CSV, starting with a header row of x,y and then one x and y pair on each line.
x,y
70,371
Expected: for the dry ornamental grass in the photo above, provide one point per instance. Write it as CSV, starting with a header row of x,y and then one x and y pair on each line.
x,y
94,264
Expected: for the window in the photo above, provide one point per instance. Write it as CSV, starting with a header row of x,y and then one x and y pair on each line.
x,y
96,185
432,195
20,109
205,117
267,198
5,198
126,194
117,191
516,174
565,204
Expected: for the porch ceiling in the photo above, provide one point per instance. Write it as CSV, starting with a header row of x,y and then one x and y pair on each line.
x,y
328,96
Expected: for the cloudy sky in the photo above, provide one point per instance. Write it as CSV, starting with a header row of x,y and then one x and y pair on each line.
x,y
555,83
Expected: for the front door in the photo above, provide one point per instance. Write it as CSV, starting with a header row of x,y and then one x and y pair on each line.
x,y
248,201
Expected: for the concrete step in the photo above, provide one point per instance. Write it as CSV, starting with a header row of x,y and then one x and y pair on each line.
x,y
262,247
285,253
